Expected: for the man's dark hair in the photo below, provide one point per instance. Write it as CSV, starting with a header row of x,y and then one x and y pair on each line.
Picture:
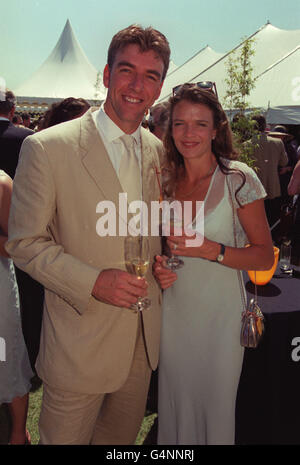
x,y
147,39
7,104
260,122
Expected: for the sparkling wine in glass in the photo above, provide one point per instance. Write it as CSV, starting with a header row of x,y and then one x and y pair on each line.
x,y
137,259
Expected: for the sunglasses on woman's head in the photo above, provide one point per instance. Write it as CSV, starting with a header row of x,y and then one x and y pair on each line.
x,y
205,85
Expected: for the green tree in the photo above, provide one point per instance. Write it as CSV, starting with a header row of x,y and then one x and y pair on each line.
x,y
240,82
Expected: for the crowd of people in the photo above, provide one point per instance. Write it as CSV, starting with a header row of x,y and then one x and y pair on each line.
x,y
66,293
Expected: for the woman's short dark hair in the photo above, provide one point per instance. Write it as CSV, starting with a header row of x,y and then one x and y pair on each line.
x,y
147,39
222,145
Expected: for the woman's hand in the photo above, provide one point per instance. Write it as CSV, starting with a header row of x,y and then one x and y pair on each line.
x,y
259,256
196,246
163,275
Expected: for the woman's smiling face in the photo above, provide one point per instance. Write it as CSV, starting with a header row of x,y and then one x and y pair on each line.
x,y
193,129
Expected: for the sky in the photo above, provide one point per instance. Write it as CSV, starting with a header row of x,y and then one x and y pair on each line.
x,y
30,29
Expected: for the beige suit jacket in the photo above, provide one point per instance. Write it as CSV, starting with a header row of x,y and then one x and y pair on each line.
x,y
64,171
269,155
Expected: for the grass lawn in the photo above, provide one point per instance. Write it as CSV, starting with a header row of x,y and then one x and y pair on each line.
x,y
35,399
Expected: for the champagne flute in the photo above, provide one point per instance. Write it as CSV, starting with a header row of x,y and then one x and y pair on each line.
x,y
137,259
175,221
285,257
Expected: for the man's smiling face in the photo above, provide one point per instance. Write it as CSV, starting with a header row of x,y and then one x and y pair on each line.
x,y
134,83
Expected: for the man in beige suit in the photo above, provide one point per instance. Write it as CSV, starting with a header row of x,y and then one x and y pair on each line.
x,y
96,354
269,155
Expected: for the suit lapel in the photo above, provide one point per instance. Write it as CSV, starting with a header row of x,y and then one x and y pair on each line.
x,y
149,172
96,161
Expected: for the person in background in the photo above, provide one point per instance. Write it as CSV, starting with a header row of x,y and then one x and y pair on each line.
x,y
66,110
158,120
285,173
11,137
31,292
270,155
15,370
40,122
294,190
295,141
17,121
26,119
294,184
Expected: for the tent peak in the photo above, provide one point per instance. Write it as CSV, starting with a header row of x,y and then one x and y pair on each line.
x,y
67,29
66,72
67,47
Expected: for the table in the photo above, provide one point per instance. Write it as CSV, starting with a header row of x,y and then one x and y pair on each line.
x,y
268,399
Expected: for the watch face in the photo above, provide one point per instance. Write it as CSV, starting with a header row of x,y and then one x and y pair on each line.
x,y
220,258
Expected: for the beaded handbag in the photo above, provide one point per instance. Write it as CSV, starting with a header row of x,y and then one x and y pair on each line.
x,y
252,318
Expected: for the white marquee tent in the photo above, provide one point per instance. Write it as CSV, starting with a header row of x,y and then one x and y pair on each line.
x,y
276,65
278,90
172,67
202,60
67,72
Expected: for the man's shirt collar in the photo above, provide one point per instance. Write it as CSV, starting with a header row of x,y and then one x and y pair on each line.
x,y
110,130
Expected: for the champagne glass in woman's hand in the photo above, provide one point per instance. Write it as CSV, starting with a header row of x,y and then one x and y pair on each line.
x,y
137,258
174,220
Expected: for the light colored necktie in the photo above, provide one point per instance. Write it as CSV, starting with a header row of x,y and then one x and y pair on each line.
x,y
129,173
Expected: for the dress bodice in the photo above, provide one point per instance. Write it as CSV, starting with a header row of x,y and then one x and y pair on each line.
x,y
218,212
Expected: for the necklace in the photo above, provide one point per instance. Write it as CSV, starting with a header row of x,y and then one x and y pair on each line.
x,y
199,183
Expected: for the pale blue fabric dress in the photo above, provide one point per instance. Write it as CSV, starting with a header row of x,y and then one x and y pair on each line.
x,y
15,369
201,357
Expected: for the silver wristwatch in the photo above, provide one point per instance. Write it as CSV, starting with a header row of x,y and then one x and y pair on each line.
x,y
220,257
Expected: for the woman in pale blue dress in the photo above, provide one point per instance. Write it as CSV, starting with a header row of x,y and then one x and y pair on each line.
x,y
15,370
201,356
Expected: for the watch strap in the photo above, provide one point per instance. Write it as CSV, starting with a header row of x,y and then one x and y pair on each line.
x,y
220,256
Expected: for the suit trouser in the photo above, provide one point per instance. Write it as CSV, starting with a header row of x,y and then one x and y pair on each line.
x,y
113,418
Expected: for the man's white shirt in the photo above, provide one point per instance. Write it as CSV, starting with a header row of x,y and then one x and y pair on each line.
x,y
110,134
